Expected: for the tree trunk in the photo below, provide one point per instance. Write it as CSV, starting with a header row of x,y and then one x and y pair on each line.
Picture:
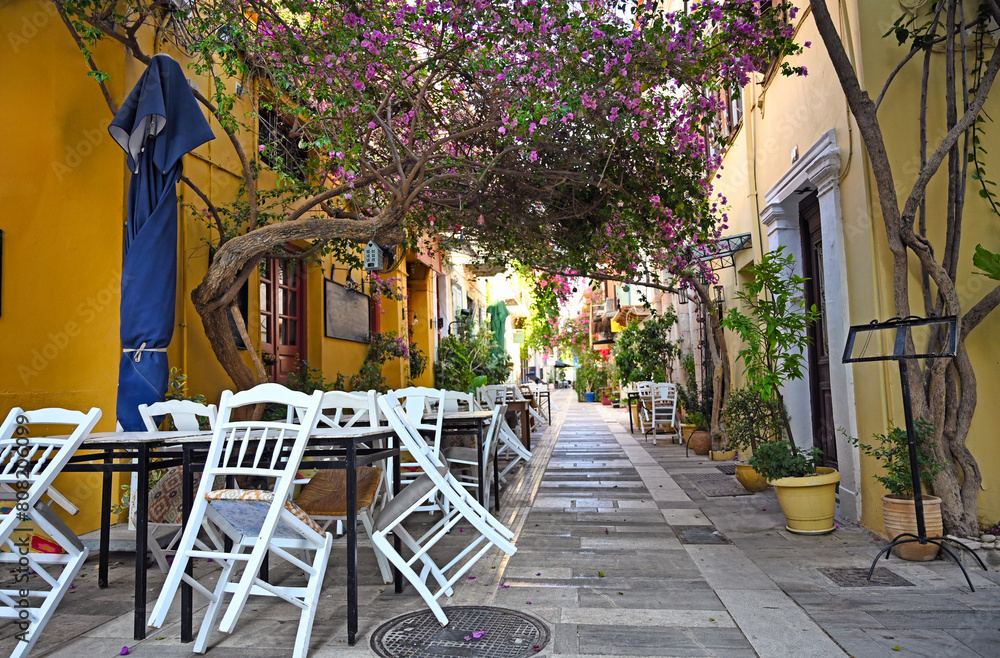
x,y
720,355
234,262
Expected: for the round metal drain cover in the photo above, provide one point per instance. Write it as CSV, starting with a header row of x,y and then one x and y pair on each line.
x,y
471,631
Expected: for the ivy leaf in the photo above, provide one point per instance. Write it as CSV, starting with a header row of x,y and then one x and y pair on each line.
x,y
988,262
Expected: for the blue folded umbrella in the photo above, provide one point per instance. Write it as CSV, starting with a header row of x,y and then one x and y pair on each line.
x,y
159,122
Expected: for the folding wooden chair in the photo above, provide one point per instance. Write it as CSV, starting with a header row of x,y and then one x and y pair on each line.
x,y
510,444
256,521
28,465
186,416
324,496
663,411
462,508
466,460
418,401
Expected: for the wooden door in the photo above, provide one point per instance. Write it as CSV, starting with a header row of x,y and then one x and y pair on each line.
x,y
824,428
282,316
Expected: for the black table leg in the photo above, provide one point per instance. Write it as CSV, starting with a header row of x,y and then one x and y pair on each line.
x,y
187,502
397,544
105,550
496,471
352,543
141,527
481,464
629,398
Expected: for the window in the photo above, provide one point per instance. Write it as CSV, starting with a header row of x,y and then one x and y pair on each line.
x,y
281,139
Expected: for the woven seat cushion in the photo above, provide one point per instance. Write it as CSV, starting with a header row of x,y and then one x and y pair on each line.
x,y
410,495
326,493
246,509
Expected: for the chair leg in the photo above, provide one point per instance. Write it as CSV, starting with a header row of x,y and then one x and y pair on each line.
x,y
383,563
311,598
380,540
173,580
215,604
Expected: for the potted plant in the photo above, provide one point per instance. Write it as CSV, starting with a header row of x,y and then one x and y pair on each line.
x,y
700,440
898,509
750,420
772,321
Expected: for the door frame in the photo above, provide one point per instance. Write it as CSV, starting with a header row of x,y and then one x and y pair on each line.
x,y
818,170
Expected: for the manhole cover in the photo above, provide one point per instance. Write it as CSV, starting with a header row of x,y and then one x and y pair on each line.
x,y
471,631
851,577
714,485
728,469
699,534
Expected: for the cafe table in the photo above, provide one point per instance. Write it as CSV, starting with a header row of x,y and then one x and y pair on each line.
x,y
466,422
125,452
328,448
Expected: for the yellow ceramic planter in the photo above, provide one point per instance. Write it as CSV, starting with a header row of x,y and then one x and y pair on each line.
x,y
750,478
722,455
809,502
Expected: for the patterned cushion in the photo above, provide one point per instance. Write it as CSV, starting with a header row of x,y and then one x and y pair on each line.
x,y
165,499
326,493
246,509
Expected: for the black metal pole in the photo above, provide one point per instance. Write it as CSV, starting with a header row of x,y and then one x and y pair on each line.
x,y
911,442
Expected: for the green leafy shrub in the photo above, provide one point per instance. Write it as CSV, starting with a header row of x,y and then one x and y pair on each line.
x,y
892,449
644,352
778,460
467,356
751,420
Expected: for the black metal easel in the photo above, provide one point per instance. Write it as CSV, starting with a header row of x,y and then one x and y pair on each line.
x,y
902,327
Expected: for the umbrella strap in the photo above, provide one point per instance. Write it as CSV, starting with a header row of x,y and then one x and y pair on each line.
x,y
142,348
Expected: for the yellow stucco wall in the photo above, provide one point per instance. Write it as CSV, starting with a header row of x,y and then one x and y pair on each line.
x,y
901,131
792,113
63,186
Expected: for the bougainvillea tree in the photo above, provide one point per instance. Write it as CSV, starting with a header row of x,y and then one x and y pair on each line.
x,y
567,133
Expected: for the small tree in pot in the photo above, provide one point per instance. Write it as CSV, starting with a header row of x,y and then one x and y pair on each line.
x,y
898,510
773,329
751,421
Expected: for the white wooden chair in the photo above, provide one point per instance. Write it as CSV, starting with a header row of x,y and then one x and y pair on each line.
x,y
186,416
663,411
524,392
257,521
324,496
28,465
645,402
418,401
462,508
510,445
466,460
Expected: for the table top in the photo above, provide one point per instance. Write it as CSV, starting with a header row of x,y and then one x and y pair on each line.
x,y
101,438
462,415
341,433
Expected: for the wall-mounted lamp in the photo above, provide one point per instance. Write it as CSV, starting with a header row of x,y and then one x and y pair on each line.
x,y
720,296
414,319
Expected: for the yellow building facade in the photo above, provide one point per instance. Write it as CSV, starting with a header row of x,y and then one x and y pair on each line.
x,y
64,188
796,174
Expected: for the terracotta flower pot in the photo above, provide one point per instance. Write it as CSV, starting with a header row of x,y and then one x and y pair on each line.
x,y
809,502
750,478
700,442
900,516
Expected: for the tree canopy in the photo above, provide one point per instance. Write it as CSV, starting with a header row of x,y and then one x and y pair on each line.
x,y
572,134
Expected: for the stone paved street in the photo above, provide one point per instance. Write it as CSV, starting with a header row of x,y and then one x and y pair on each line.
x,y
612,556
